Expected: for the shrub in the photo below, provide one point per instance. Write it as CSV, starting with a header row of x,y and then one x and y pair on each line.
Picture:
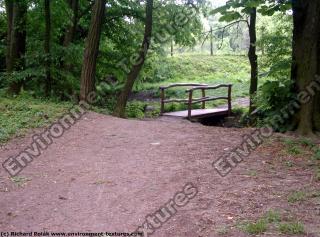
x,y
135,109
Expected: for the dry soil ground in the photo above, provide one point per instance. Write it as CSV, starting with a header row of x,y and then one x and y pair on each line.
x,y
107,174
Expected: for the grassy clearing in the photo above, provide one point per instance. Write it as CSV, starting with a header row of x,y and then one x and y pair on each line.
x,y
204,69
19,114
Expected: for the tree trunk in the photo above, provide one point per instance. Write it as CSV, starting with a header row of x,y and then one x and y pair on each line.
x,y
16,42
171,48
72,28
9,12
136,68
305,57
211,41
316,109
47,39
91,51
253,58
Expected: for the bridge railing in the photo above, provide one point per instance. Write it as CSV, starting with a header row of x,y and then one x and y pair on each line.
x,y
205,98
190,100
163,99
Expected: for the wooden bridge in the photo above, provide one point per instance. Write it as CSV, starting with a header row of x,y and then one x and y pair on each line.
x,y
197,113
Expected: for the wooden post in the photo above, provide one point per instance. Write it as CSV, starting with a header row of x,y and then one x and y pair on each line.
x,y
162,101
229,100
190,104
203,95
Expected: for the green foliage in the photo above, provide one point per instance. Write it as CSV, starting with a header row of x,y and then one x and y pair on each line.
x,y
236,9
272,216
157,68
257,227
296,196
135,109
179,106
202,69
274,98
316,155
20,181
291,228
120,40
24,112
307,143
317,174
275,42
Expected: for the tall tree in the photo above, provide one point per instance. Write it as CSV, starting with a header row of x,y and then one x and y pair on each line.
x,y
253,58
47,39
306,35
16,41
91,51
137,66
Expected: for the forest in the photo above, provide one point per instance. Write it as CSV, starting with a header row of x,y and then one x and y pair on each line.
x,y
160,117
62,50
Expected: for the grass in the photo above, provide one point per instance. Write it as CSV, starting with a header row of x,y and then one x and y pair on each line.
x,y
22,113
257,227
204,69
296,196
223,230
316,155
291,228
273,218
292,146
20,180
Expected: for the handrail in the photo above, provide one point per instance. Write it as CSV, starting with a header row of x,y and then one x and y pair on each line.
x,y
208,87
182,84
190,101
208,99
182,100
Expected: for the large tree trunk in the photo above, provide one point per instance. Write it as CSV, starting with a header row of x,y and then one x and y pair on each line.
x,y
316,109
306,16
47,39
91,51
253,58
136,68
16,48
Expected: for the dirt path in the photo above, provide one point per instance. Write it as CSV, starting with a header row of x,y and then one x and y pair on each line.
x,y
107,174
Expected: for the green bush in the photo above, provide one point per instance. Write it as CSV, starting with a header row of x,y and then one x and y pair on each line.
x,y
272,100
24,112
135,109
